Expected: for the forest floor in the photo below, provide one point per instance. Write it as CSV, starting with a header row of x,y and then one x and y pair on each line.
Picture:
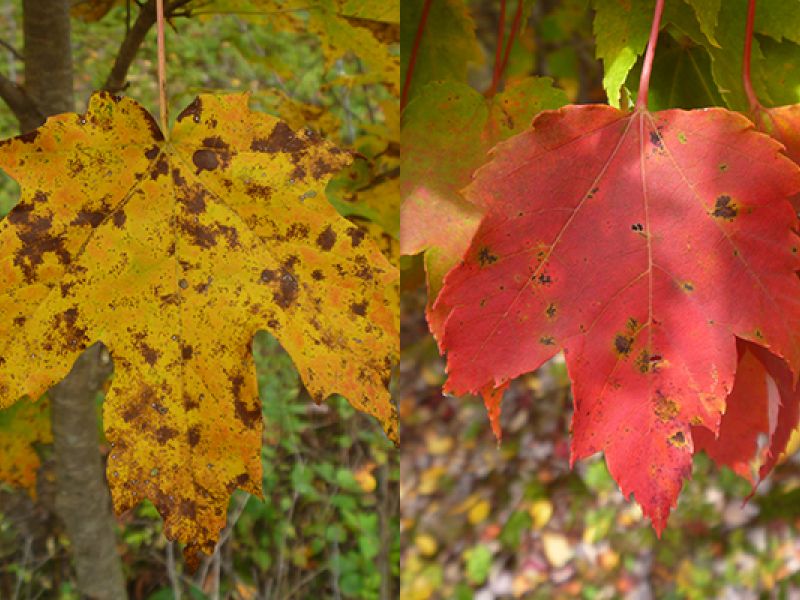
x,y
485,521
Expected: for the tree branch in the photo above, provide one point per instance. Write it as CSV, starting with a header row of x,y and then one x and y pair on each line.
x,y
24,109
116,80
10,48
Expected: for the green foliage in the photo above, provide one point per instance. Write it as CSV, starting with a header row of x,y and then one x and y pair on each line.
x,y
621,30
447,53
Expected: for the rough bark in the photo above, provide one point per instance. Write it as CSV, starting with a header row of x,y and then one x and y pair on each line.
x,y
82,498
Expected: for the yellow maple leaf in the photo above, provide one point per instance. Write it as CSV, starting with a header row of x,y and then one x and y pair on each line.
x,y
173,254
21,426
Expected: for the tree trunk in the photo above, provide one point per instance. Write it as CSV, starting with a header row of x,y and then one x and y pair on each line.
x,y
82,498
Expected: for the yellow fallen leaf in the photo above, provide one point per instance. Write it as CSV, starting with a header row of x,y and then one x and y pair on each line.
x,y
478,513
365,478
429,481
540,511
426,544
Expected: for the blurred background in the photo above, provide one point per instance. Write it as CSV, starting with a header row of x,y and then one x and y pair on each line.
x,y
328,527
484,521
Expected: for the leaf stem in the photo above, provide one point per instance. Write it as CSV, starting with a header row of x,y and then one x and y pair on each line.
x,y
755,105
412,61
498,54
647,67
515,25
162,70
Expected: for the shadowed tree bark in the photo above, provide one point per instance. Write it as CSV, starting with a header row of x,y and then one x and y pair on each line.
x,y
82,498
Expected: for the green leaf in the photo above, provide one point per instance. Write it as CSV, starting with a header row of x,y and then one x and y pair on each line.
x,y
778,19
518,524
780,72
448,44
479,562
706,12
448,130
621,31
681,76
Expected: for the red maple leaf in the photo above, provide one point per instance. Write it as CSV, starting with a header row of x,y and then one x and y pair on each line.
x,y
763,404
643,245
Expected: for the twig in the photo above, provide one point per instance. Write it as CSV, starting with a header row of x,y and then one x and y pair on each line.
x,y
11,49
134,37
647,67
412,60
162,69
233,518
18,101
174,580
26,558
515,25
498,53
216,560
755,105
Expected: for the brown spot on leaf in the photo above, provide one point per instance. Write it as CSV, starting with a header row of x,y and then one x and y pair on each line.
x,y
551,311
282,139
356,236
149,354
678,439
187,352
485,257
205,160
643,361
288,290
66,324
665,409
724,208
327,238
193,110
89,217
363,269
118,218
36,242
259,191
165,434
29,137
317,275
215,142
177,178
160,168
297,231
359,308
322,168
547,340
623,344
194,435
188,509
199,234
196,201
152,152
190,403
247,414
655,139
